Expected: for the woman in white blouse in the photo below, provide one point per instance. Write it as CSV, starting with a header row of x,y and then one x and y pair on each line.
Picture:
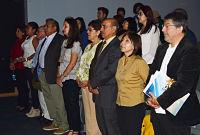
x,y
83,76
149,33
71,52
29,46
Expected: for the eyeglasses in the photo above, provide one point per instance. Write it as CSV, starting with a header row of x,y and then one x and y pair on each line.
x,y
167,26
90,28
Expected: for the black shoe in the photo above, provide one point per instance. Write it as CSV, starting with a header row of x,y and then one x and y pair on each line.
x,y
21,109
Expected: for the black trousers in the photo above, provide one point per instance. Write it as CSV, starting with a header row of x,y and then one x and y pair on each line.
x,y
163,125
34,92
71,98
130,119
107,120
23,99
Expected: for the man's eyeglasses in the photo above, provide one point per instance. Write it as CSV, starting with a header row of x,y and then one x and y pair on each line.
x,y
167,26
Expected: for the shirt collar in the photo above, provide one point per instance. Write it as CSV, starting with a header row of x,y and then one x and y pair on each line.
x,y
51,36
109,40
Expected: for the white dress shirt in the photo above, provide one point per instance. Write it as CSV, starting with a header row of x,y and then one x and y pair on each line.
x,y
170,51
35,58
44,49
150,42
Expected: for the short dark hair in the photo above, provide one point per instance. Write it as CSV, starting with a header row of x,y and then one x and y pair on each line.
x,y
121,9
34,25
178,19
104,10
96,24
183,11
54,23
136,40
132,25
113,22
22,28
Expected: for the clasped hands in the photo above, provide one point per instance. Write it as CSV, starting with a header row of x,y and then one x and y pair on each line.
x,y
86,84
93,90
152,101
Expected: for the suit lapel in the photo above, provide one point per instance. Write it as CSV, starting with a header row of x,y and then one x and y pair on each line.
x,y
175,57
99,49
52,42
99,46
103,53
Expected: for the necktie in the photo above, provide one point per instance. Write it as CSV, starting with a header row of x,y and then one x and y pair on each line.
x,y
37,70
40,50
101,47
42,46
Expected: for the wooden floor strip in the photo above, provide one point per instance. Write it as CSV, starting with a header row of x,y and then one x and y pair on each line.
x,y
10,94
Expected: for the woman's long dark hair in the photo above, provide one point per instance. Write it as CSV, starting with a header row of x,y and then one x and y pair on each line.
x,y
74,34
132,25
83,27
150,19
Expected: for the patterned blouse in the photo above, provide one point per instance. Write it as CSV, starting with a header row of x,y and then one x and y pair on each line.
x,y
86,59
65,59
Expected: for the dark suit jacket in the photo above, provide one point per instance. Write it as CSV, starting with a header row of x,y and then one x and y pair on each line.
x,y
52,57
102,74
184,68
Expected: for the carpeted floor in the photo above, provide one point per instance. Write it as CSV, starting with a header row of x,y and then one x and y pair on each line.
x,y
13,122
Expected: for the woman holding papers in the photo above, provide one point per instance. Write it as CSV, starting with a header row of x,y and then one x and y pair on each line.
x,y
131,75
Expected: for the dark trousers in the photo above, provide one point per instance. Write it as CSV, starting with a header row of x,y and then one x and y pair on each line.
x,y
163,125
71,98
107,120
34,92
21,84
130,119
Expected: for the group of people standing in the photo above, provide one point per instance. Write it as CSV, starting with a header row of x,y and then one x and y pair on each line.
x,y
111,72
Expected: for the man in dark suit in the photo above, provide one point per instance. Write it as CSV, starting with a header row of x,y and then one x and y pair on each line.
x,y
180,60
102,81
48,59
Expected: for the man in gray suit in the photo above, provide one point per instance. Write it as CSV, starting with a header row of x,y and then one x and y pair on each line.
x,y
102,81
48,63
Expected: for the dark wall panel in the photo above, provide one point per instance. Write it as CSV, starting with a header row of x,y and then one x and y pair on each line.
x,y
12,14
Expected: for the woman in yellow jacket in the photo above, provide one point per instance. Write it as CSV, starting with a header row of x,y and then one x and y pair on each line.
x,y
131,75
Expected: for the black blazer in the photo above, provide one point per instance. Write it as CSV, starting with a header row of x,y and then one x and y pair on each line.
x,y
102,73
52,57
183,67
